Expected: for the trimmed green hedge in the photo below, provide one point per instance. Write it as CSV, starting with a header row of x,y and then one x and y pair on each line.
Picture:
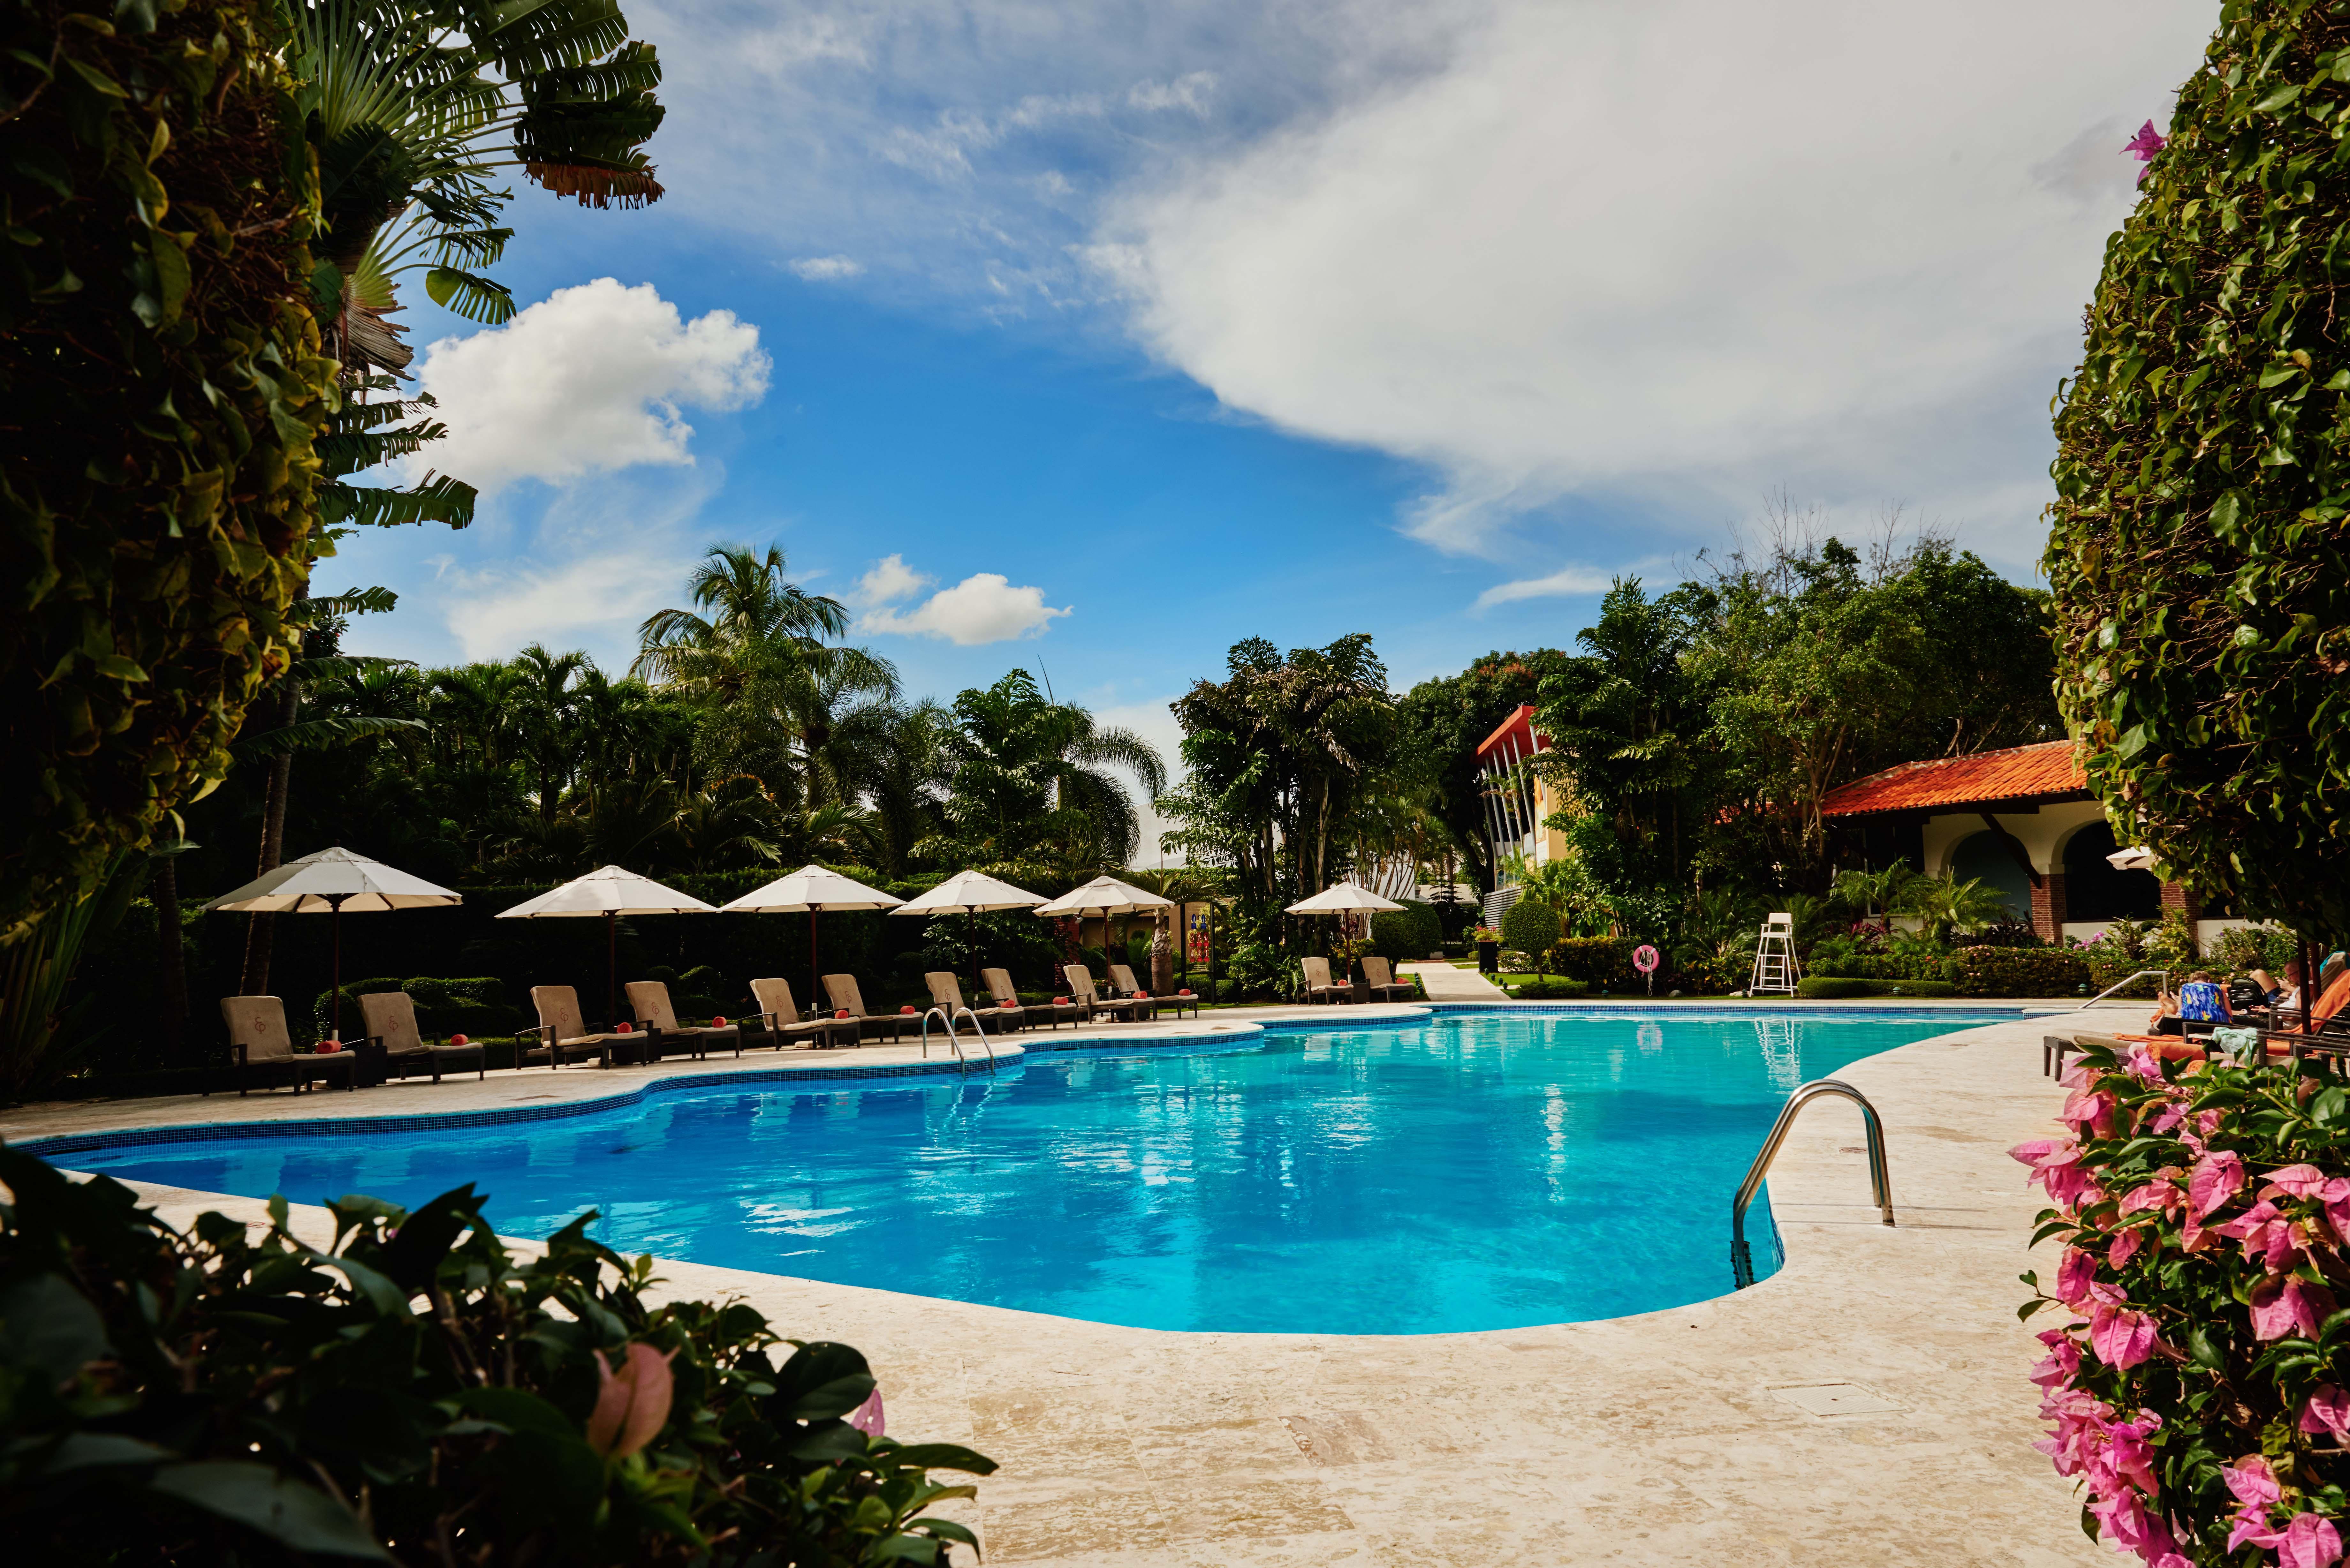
x,y
1413,931
1603,961
1834,988
2017,971
1549,990
1529,926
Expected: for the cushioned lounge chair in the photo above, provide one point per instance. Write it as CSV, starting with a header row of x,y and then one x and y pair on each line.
x,y
1385,986
846,998
561,1036
783,1023
389,1017
264,1051
1174,1002
648,1001
946,991
1318,984
999,987
1123,984
1082,991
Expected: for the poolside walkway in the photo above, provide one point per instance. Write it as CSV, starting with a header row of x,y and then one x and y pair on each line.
x,y
1680,1437
1448,982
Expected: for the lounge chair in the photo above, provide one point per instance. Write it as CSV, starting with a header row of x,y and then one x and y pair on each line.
x,y
1000,986
783,1022
648,1001
265,1052
1385,986
389,1017
562,1037
1318,984
1124,985
846,998
946,991
1082,991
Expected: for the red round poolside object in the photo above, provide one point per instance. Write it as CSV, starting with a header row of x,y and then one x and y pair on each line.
x,y
328,1047
718,1022
459,1040
624,1028
907,1010
844,1012
1060,1001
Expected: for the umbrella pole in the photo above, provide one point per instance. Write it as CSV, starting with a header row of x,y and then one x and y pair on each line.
x,y
970,935
811,990
611,970
335,967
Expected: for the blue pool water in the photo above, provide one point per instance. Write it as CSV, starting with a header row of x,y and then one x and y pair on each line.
x,y
1475,1171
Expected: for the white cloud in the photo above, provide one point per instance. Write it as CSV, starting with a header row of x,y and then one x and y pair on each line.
x,y
593,601
1557,585
826,269
589,380
1188,92
1673,253
982,607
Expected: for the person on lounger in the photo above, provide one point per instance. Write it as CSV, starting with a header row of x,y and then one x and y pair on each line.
x,y
2200,1000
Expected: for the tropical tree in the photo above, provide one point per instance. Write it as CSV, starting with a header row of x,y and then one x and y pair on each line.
x,y
2198,549
1440,724
905,781
1946,904
545,718
1029,778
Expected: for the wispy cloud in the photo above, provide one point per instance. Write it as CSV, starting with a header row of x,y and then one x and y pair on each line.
x,y
981,608
1568,583
826,269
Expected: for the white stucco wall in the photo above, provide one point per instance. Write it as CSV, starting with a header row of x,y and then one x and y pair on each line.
x,y
2041,832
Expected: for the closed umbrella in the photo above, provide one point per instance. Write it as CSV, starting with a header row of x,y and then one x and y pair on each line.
x,y
969,892
609,891
1104,896
2137,857
334,880
805,891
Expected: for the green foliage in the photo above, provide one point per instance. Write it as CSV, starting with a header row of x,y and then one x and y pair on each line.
x,y
1028,782
1831,988
2018,971
475,1005
1603,961
1946,904
416,1393
1529,926
2198,553
1549,988
1412,932
1440,722
154,331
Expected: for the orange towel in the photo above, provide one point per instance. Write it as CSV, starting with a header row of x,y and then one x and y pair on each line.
x,y
2330,1002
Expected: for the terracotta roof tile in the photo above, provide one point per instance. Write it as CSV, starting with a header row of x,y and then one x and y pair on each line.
x,y
2018,772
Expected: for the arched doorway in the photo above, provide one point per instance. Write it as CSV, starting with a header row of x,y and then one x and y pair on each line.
x,y
1984,856
2093,890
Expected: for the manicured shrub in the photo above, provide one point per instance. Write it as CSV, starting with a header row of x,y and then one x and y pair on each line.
x,y
418,1395
1603,961
2197,1389
1529,926
2196,555
1828,988
2018,971
1413,931
1549,989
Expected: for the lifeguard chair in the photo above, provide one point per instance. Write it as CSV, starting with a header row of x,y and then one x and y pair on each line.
x,y
1776,967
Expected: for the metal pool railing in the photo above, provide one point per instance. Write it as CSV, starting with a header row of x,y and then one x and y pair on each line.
x,y
1880,1183
948,1020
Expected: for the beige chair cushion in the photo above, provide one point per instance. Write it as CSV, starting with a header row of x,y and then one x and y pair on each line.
x,y
945,990
1081,981
842,988
775,996
558,1011
257,1023
1000,986
1317,972
391,1017
649,1003
1374,969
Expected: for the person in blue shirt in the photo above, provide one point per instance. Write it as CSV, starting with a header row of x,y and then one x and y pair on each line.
x,y
2200,1000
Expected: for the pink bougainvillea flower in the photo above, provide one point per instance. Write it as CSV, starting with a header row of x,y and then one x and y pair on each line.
x,y
2253,1482
2266,1234
2125,1248
2063,1359
867,1418
2162,1195
2094,1107
2281,1305
632,1404
2296,1180
2143,1063
2170,1117
2120,1337
2143,146
2215,1179
2327,1410
2074,1272
2310,1542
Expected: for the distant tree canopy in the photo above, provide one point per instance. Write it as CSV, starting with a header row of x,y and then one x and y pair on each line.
x,y
2199,552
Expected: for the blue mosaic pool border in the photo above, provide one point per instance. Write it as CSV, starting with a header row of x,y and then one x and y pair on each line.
x,y
1233,1032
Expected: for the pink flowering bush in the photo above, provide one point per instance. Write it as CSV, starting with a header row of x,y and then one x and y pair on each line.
x,y
2196,1387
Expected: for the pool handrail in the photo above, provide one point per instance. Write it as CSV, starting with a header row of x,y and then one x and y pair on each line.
x,y
1880,1182
2162,978
948,1020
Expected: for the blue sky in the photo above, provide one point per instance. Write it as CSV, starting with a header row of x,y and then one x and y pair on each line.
x,y
1200,321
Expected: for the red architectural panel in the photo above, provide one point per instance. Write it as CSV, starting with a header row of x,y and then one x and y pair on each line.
x,y
2019,772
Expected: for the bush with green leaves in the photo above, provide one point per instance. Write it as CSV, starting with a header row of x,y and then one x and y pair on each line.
x,y
415,1393
161,380
2017,971
1413,931
1529,926
2199,554
1548,988
1829,988
1604,962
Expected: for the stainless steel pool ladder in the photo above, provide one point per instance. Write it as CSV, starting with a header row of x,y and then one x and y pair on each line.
x,y
1880,1184
943,1016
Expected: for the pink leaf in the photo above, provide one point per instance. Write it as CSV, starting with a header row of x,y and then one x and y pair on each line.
x,y
2121,1338
2215,1179
2327,1410
2309,1542
867,1417
2073,1273
632,1404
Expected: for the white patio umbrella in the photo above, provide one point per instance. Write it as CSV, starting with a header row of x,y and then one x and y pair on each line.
x,y
2137,857
1104,896
610,892
971,893
1346,900
806,891
333,880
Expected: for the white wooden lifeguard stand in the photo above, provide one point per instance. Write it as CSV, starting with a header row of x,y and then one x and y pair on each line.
x,y
1776,967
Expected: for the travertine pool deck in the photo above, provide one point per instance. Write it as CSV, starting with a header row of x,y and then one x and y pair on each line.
x,y
1671,1437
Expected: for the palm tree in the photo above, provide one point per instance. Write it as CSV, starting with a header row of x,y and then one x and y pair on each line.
x,y
545,711
1030,773
1946,904
754,651
905,781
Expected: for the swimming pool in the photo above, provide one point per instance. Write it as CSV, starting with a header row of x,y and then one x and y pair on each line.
x,y
1476,1170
